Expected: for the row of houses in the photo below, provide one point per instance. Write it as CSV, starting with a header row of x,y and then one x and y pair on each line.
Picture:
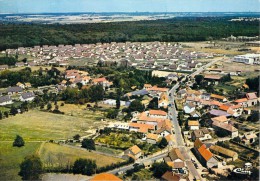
x,y
24,97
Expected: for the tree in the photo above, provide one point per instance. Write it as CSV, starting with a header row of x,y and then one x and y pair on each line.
x,y
49,106
1,115
13,111
253,83
19,142
24,60
84,166
6,114
199,79
76,137
153,104
88,144
31,168
118,102
159,169
163,143
112,113
226,78
136,105
79,84
254,117
96,93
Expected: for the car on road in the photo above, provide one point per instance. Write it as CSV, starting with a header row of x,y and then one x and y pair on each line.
x,y
196,165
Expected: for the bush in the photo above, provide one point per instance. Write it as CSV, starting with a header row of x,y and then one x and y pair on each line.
x,y
19,142
88,144
112,113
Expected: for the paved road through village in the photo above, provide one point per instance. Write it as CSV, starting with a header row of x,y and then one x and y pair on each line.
x,y
173,115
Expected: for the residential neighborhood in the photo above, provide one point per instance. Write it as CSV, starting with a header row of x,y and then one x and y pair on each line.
x,y
177,117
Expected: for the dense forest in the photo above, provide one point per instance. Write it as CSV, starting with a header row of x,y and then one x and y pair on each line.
x,y
177,29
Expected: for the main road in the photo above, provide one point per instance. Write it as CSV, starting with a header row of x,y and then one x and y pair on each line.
x,y
173,116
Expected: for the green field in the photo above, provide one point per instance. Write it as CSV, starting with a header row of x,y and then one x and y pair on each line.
x,y
42,126
11,157
52,155
57,155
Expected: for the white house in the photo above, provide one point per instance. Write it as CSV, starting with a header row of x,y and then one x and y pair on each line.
x,y
188,108
27,96
163,132
194,125
5,100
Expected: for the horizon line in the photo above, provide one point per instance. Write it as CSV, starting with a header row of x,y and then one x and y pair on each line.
x,y
135,12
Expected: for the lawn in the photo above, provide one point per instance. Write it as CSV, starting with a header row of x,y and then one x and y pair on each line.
x,y
59,155
226,87
80,111
38,125
117,140
108,150
11,157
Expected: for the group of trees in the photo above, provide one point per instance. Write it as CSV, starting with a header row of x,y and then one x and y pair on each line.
x,y
253,83
72,95
36,78
84,166
31,168
170,30
8,61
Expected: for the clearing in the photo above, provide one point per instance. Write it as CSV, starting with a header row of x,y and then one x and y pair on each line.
x,y
42,126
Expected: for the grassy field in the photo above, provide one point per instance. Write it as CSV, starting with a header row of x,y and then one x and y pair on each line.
x,y
108,150
11,157
62,156
37,125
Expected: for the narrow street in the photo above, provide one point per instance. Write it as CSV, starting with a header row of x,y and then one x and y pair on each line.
x,y
178,135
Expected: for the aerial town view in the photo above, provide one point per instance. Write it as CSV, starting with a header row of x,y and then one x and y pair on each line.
x,y
111,90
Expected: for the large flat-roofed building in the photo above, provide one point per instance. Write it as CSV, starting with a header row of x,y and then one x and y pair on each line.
x,y
248,59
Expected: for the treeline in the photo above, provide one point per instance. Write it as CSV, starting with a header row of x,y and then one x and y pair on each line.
x,y
177,29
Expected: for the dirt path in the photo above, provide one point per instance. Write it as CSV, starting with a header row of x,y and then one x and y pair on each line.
x,y
38,152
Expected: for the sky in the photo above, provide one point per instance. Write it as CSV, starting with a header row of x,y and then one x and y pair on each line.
x,y
60,6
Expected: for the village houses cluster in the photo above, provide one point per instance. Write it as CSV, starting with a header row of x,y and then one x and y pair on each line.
x,y
152,55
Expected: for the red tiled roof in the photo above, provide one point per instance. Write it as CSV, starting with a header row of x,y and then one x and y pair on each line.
x,y
206,154
142,126
241,100
217,96
135,149
157,112
105,177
